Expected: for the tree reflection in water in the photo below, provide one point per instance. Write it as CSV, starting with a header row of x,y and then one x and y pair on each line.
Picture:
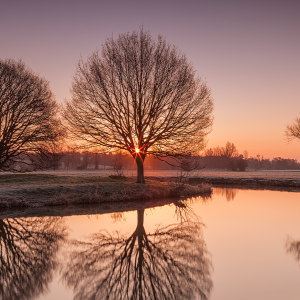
x,y
293,247
185,212
229,193
28,248
171,263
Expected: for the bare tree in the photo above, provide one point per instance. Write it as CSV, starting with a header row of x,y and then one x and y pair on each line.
x,y
28,119
188,165
49,156
230,150
140,95
246,154
118,164
293,131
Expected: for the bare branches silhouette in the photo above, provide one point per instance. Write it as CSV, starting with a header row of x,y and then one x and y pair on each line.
x,y
184,211
142,96
28,248
171,263
28,117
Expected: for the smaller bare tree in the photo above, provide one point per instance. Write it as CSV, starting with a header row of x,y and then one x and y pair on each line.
x,y
187,166
230,150
118,165
293,131
48,157
28,117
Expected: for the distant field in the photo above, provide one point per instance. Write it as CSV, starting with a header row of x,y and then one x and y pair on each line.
x,y
267,174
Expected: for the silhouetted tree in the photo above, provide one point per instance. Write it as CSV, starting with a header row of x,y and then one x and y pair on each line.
x,y
141,95
188,165
241,163
293,131
171,263
28,248
246,154
118,164
49,156
27,117
229,150
225,157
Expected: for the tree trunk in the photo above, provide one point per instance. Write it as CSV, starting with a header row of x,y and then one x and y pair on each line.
x,y
140,233
140,220
140,158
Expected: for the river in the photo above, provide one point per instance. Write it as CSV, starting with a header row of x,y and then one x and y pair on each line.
x,y
238,244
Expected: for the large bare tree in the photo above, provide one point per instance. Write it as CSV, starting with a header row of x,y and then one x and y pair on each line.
x,y
140,95
28,117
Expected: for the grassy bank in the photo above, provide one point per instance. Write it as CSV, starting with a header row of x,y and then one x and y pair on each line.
x,y
36,190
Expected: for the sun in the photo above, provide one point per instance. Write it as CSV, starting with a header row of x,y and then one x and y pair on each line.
x,y
137,150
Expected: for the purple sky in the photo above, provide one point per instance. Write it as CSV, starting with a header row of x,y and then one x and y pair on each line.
x,y
248,52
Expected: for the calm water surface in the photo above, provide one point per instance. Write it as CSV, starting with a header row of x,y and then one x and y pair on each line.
x,y
240,244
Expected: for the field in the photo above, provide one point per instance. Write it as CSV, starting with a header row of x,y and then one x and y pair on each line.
x,y
44,189
90,186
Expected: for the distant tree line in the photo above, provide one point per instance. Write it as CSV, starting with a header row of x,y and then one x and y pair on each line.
x,y
72,159
223,158
228,158
277,163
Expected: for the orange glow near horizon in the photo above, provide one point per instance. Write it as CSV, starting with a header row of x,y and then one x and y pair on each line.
x,y
254,80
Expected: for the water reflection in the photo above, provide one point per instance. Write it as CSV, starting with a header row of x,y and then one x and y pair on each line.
x,y
185,212
28,248
118,217
293,247
229,193
171,263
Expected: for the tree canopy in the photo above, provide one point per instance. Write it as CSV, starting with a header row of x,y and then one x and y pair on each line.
x,y
140,95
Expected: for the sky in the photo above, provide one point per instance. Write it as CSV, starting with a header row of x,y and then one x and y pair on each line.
x,y
246,51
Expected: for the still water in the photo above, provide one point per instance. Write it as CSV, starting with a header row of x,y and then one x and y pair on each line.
x,y
238,244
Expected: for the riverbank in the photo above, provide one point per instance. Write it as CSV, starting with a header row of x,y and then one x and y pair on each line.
x,y
40,190
255,179
57,188
252,183
206,173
